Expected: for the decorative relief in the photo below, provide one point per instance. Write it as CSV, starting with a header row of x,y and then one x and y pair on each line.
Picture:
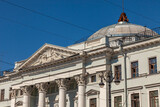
x,y
42,87
50,55
26,90
19,103
80,79
61,82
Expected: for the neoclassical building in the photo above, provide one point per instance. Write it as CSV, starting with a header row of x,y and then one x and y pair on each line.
x,y
117,66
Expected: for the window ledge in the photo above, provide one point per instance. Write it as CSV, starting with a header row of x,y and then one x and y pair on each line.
x,y
145,75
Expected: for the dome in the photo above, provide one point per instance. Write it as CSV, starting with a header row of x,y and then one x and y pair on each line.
x,y
122,28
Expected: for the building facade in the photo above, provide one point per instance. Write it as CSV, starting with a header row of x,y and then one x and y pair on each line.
x,y
57,76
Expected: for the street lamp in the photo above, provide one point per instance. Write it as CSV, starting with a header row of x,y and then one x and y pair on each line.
x,y
109,79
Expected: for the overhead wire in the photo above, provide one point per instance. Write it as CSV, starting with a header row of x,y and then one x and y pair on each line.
x,y
138,14
6,62
35,28
48,16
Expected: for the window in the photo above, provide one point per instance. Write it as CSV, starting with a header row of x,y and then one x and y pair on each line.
x,y
93,78
152,65
135,100
17,93
10,95
2,94
118,101
21,92
93,102
153,96
118,72
134,69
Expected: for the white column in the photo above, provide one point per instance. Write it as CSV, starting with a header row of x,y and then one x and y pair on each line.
x,y
26,95
81,90
13,98
81,96
62,97
62,92
42,88
26,100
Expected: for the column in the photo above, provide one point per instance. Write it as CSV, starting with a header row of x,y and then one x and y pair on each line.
x,y
26,95
81,90
13,98
62,92
42,88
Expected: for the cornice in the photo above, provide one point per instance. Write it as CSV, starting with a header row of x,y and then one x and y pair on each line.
x,y
61,61
138,45
152,85
71,58
129,89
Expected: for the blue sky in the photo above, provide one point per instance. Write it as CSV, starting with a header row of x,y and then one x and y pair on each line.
x,y
23,32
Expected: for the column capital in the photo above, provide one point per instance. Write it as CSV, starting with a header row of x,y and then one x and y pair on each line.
x,y
61,82
42,87
80,79
26,89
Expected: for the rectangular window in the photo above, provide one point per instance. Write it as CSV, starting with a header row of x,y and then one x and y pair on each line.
x,y
10,95
135,100
134,69
21,92
93,78
93,102
118,101
2,94
118,72
152,65
17,93
153,96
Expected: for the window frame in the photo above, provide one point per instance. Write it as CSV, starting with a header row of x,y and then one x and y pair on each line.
x,y
154,72
93,80
119,74
132,100
2,94
115,101
95,104
137,72
150,104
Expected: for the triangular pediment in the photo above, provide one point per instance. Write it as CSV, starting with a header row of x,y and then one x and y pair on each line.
x,y
47,53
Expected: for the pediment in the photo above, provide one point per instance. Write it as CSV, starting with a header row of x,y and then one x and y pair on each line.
x,y
47,53
92,92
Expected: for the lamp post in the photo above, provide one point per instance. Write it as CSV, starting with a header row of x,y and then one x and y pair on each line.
x,y
109,79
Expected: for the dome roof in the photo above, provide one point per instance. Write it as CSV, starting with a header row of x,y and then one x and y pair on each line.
x,y
122,28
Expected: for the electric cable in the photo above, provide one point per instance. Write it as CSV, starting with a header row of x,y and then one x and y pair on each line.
x,y
35,28
48,16
138,14
6,62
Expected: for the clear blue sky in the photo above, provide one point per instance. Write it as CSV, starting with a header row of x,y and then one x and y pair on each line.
x,y
20,36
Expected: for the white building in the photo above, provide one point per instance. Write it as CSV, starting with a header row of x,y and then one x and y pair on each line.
x,y
57,76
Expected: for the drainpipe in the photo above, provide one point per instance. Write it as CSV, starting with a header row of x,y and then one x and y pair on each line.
x,y
125,73
125,80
